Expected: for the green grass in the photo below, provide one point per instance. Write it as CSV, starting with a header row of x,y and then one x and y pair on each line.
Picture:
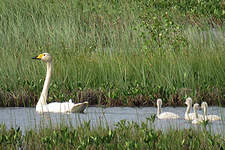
x,y
124,135
122,52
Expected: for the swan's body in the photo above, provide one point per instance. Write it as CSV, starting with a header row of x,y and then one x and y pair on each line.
x,y
56,107
204,106
197,119
165,115
65,107
188,115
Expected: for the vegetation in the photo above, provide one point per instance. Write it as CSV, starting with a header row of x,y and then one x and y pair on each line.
x,y
113,52
125,135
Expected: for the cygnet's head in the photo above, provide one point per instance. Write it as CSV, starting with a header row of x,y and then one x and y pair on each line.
x,y
44,57
188,101
159,102
204,104
196,106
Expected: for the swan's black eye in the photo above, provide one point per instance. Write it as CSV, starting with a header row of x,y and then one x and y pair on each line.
x,y
44,54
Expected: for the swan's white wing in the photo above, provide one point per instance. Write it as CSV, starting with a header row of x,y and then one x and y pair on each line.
x,y
65,107
213,117
168,115
55,107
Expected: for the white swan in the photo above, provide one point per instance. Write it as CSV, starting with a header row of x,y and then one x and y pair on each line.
x,y
56,107
188,115
164,115
197,119
204,106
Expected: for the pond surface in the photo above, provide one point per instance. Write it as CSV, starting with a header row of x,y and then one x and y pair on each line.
x,y
28,118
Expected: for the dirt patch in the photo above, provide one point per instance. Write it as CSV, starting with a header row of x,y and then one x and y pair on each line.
x,y
93,97
19,99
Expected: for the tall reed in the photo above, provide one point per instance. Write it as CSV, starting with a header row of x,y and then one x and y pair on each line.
x,y
124,48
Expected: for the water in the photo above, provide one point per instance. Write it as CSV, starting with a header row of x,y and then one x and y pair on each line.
x,y
28,118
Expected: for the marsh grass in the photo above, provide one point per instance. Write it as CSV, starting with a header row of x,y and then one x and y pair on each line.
x,y
129,51
124,135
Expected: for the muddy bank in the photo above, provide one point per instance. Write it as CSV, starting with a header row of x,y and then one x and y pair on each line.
x,y
98,97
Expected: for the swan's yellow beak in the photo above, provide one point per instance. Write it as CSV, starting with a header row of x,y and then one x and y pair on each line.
x,y
38,57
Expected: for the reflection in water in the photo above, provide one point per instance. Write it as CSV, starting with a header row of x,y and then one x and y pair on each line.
x,y
27,118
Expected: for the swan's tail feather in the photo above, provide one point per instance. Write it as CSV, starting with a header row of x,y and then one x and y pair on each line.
x,y
79,107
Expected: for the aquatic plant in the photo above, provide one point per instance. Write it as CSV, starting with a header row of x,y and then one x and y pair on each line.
x,y
124,135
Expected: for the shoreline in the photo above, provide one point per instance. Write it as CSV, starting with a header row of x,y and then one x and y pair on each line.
x,y
96,98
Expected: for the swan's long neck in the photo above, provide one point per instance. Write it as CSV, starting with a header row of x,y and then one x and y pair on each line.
x,y
196,113
158,110
44,93
188,110
205,111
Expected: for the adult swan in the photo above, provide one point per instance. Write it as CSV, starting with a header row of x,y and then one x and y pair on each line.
x,y
56,107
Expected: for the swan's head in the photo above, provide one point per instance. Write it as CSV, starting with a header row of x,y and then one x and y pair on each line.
x,y
203,105
196,106
44,57
188,101
159,102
